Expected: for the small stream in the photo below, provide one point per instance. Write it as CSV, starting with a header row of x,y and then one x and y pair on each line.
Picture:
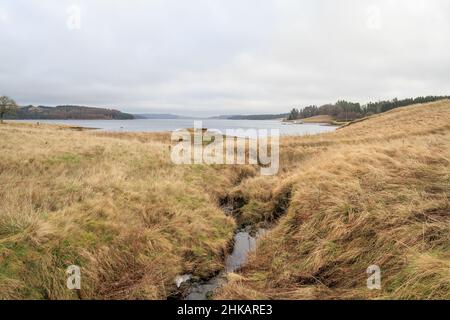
x,y
244,243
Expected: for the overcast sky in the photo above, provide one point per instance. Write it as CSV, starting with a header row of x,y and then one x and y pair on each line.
x,y
222,56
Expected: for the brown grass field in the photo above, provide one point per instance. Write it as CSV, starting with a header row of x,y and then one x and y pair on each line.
x,y
373,192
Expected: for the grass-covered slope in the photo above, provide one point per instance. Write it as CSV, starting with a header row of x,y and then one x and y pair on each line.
x,y
376,192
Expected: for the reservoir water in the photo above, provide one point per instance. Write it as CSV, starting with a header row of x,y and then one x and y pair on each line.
x,y
161,125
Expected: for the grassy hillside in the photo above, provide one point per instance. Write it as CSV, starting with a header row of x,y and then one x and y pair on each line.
x,y
319,119
373,192
376,192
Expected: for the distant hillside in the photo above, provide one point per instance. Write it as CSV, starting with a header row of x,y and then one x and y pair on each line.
x,y
254,117
156,116
344,111
69,112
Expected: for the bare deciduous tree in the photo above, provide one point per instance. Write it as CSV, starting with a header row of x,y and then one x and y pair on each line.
x,y
7,105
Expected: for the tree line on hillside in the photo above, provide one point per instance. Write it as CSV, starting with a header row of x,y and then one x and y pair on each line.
x,y
69,112
348,111
10,110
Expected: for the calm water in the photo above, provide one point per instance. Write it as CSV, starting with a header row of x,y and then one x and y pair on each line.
x,y
158,125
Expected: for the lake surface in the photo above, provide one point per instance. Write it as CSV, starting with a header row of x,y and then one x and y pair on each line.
x,y
159,125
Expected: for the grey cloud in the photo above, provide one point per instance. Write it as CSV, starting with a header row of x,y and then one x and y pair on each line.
x,y
212,56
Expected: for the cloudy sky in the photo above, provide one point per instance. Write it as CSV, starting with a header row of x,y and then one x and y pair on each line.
x,y
222,56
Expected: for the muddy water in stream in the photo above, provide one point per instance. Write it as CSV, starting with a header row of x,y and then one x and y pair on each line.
x,y
244,243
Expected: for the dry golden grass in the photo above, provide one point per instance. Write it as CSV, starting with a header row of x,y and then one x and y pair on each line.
x,y
319,119
376,192
113,204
